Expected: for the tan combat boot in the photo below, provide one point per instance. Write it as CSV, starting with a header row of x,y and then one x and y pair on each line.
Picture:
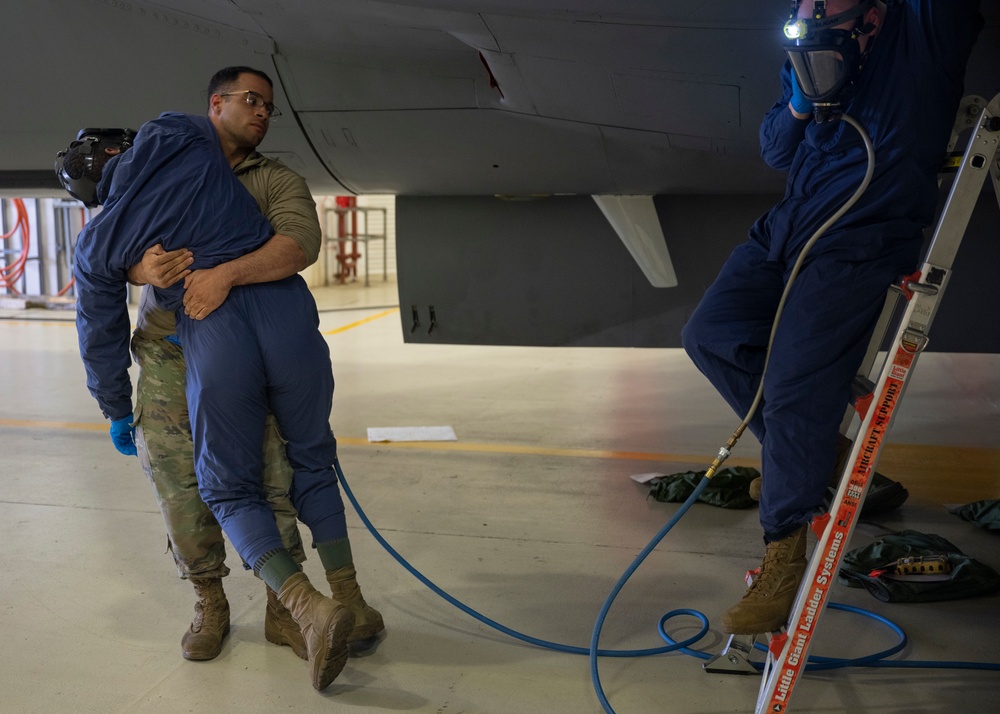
x,y
367,620
766,604
280,628
325,627
203,640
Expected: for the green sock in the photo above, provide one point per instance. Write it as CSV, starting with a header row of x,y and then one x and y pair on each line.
x,y
335,554
275,567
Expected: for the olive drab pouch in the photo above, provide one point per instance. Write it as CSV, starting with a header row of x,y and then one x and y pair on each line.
x,y
729,488
910,566
984,514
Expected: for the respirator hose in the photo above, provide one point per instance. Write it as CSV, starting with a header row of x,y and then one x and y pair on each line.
x,y
796,267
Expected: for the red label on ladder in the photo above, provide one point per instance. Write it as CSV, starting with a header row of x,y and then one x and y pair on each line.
x,y
795,644
788,652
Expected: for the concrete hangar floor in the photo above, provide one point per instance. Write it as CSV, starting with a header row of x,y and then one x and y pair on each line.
x,y
530,517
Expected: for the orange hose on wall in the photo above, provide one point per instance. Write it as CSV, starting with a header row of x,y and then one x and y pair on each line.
x,y
72,281
11,272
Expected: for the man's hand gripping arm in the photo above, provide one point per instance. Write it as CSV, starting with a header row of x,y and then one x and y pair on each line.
x,y
161,268
205,290
284,198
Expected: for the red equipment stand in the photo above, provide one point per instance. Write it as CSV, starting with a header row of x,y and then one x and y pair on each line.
x,y
347,240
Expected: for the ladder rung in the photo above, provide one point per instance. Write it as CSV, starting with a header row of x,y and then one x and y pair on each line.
x,y
861,387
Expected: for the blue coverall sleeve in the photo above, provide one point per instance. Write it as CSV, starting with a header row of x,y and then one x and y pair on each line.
x,y
950,28
780,132
103,331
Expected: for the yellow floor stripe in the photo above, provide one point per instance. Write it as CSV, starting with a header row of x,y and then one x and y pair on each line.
x,y
58,321
71,323
345,328
37,424
543,451
944,474
935,474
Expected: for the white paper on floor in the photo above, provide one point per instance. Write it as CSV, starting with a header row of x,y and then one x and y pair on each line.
x,y
411,433
644,478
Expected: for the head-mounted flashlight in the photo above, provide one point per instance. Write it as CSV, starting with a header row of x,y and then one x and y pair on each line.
x,y
824,58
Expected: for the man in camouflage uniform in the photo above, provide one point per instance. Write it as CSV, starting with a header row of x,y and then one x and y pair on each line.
x,y
163,430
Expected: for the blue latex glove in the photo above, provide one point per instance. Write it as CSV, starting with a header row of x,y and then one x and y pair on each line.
x,y
123,435
799,102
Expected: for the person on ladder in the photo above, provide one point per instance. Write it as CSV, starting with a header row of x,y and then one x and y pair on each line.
x,y
898,69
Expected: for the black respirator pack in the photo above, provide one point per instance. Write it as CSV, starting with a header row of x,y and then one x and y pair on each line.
x,y
88,143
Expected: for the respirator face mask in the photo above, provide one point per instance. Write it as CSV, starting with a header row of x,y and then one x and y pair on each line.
x,y
825,59
88,143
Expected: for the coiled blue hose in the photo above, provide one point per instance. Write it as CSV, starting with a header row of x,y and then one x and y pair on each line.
x,y
815,662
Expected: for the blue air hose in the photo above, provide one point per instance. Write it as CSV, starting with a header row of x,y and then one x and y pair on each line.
x,y
815,662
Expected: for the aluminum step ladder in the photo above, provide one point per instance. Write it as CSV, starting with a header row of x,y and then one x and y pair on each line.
x,y
875,405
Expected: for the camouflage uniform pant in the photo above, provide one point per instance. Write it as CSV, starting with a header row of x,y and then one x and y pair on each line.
x,y
163,438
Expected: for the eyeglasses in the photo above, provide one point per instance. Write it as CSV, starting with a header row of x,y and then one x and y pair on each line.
x,y
254,101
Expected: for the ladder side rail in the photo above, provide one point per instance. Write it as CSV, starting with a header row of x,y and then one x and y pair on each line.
x,y
977,163
879,335
954,218
995,175
789,652
969,115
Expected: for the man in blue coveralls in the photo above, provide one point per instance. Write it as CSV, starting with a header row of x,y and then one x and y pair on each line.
x,y
903,80
240,107
259,350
